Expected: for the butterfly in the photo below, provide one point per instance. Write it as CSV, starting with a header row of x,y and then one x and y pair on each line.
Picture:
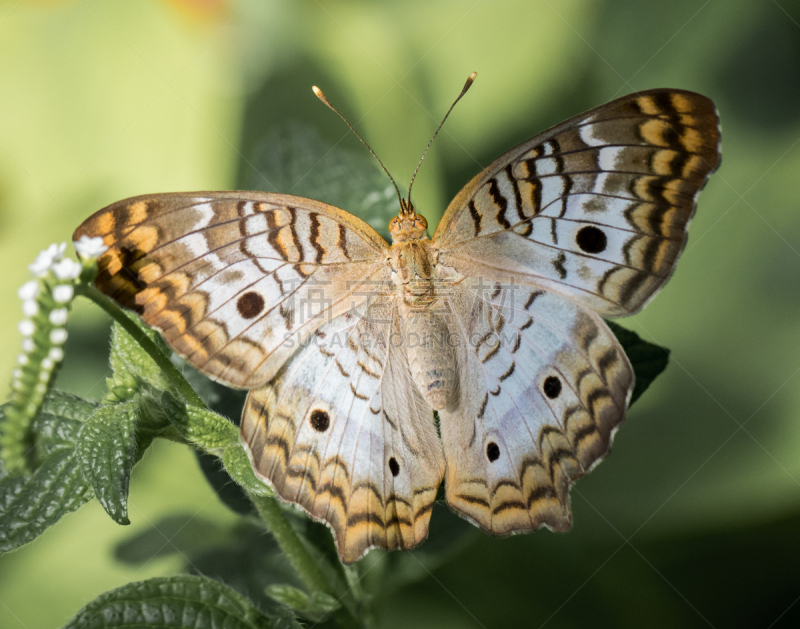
x,y
348,345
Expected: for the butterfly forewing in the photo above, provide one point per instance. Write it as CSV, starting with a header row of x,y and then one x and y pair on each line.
x,y
595,208
228,276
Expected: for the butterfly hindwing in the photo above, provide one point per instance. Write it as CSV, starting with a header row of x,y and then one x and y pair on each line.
x,y
544,384
227,276
343,432
595,208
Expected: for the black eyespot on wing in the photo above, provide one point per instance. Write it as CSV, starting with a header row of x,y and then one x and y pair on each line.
x,y
394,466
591,239
320,420
552,387
250,304
492,451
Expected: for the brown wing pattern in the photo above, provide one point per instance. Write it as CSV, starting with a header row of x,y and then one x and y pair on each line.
x,y
595,208
343,432
545,384
228,276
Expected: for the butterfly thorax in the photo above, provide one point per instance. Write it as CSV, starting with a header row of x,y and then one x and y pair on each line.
x,y
431,357
413,262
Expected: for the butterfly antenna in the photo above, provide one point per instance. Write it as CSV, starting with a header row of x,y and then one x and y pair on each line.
x,y
318,93
467,85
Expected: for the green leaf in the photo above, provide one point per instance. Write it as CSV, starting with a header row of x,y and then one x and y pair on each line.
x,y
158,410
314,606
648,360
129,359
106,452
206,429
176,602
31,503
238,465
288,595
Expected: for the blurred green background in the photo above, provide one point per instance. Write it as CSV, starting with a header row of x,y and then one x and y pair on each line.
x,y
694,520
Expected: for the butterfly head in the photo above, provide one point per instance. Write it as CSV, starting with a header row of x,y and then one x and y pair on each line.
x,y
408,225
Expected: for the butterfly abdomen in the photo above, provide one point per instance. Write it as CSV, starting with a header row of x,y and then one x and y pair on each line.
x,y
431,359
431,356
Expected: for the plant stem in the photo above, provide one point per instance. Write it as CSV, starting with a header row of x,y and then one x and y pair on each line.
x,y
163,361
302,562
284,534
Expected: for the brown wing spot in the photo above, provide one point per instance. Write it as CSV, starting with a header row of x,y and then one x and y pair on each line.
x,y
532,298
682,103
492,451
482,409
137,212
356,394
103,224
591,239
508,373
692,140
476,217
661,161
558,265
314,237
342,242
273,232
250,304
143,238
648,106
394,466
319,420
552,387
500,201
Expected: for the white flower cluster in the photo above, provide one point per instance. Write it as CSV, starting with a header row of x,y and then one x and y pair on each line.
x,y
52,259
50,309
87,247
46,258
45,303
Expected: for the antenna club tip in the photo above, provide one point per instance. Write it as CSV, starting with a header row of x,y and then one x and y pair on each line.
x,y
318,93
468,84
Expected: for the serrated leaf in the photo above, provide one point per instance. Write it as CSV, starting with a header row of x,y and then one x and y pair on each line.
x,y
127,357
321,603
288,595
238,466
317,604
159,410
206,429
648,359
106,452
175,602
30,503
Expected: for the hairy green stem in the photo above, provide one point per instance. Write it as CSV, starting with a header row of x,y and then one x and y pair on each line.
x,y
268,508
306,568
163,361
302,562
